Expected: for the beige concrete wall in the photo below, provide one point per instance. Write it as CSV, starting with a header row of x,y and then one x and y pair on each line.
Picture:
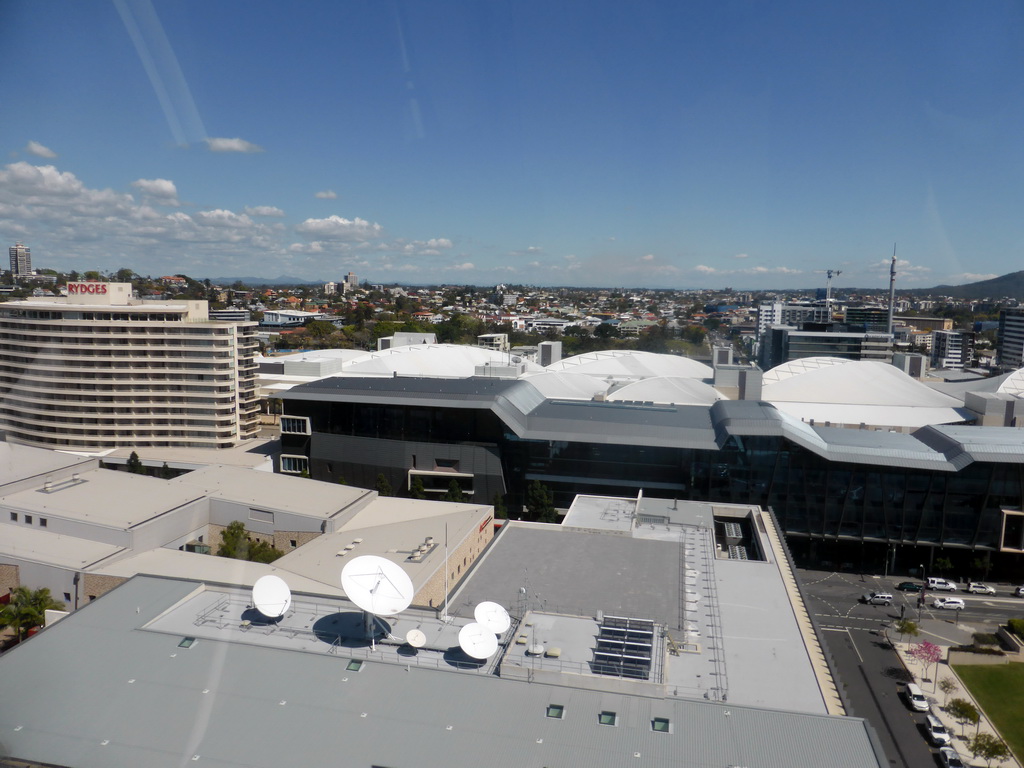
x,y
283,539
459,561
9,578
94,585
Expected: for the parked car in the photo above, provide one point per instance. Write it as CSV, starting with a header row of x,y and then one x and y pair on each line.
x,y
950,758
938,584
1018,592
937,733
948,603
977,588
909,586
877,598
915,697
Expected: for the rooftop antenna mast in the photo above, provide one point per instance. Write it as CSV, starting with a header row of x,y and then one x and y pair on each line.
x,y
828,287
892,287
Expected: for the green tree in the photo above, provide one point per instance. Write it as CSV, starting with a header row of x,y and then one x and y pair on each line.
x,y
947,685
416,489
500,510
988,747
454,492
135,465
26,609
383,487
907,627
235,543
319,329
943,564
964,712
540,505
165,472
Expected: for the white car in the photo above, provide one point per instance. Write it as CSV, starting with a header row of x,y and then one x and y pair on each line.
x,y
976,588
949,758
937,733
948,603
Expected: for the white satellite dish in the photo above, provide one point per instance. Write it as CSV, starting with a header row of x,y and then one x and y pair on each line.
x,y
478,641
377,585
271,596
493,616
416,638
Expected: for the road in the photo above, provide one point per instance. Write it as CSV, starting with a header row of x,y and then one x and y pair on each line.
x,y
869,671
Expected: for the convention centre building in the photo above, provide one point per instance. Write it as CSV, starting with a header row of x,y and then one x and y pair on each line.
x,y
855,458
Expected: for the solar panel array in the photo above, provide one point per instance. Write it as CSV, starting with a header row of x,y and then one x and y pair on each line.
x,y
624,647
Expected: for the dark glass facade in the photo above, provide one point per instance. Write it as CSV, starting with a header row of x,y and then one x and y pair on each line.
x,y
812,497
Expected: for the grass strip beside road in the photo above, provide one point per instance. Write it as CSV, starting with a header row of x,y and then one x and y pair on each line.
x,y
999,689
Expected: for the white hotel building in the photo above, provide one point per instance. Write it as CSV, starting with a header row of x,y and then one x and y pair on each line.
x,y
98,370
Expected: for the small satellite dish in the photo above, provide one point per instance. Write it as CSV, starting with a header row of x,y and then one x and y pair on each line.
x,y
377,585
493,616
416,638
478,641
271,596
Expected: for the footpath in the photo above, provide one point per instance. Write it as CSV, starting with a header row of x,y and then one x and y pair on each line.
x,y
938,631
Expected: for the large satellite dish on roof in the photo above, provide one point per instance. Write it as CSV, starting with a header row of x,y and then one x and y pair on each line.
x,y
271,596
478,641
416,638
493,616
377,585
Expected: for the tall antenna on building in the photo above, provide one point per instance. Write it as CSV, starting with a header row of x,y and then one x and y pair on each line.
x,y
892,286
828,288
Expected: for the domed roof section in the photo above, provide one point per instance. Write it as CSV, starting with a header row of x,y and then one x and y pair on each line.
x,y
1013,384
559,385
803,365
859,392
667,390
454,361
630,364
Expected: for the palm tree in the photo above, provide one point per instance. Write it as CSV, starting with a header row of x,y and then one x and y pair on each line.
x,y
27,609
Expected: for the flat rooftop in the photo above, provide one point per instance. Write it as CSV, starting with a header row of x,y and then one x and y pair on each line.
x,y
249,694
99,497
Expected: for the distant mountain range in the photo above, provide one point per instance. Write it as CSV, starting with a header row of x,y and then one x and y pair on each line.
x,y
1011,285
282,280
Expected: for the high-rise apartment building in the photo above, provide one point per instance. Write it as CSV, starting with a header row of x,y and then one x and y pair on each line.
x,y
952,350
21,261
350,283
98,369
1011,338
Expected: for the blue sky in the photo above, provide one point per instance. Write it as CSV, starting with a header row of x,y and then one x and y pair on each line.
x,y
651,144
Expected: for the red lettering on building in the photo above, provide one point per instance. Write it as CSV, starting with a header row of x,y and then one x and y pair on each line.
x,y
83,288
485,523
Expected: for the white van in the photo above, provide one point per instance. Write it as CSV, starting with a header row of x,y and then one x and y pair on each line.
x,y
915,698
940,585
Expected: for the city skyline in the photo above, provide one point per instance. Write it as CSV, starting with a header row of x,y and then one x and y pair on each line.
x,y
599,145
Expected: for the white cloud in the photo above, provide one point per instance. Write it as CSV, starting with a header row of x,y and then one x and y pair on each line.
x,y
264,210
704,269
162,191
37,149
326,194
648,257
969,277
741,256
462,267
766,271
232,145
338,228
902,268
534,249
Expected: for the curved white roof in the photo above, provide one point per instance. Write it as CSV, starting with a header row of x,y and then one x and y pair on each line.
x,y
1013,384
559,385
455,361
797,367
668,389
859,391
628,364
